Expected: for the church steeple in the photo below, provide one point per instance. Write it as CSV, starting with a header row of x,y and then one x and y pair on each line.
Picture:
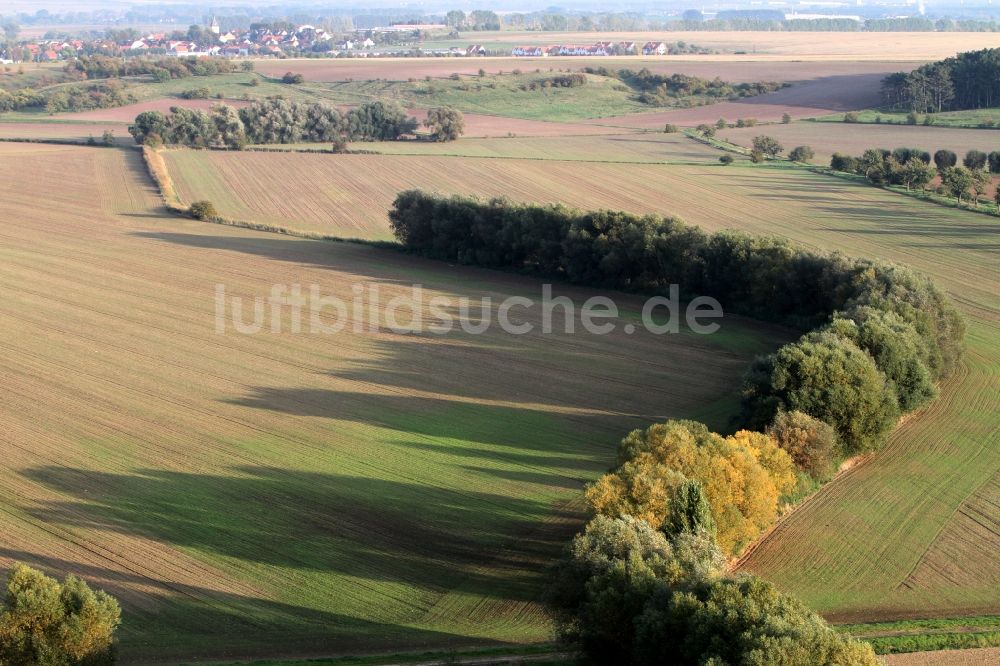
x,y
213,27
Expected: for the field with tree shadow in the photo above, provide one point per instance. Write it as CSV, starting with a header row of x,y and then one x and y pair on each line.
x,y
288,492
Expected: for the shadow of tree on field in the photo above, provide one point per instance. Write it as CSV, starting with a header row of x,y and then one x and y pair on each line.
x,y
524,436
942,228
280,247
345,529
553,371
170,620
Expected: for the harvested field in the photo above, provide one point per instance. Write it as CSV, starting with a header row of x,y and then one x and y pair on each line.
x,y
482,125
38,30
66,131
909,532
286,493
635,147
977,657
891,537
854,139
348,195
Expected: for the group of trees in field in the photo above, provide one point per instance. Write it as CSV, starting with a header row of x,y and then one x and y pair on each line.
x,y
444,124
80,97
762,147
887,327
47,623
626,592
666,89
709,131
108,94
162,69
969,80
682,475
644,582
559,81
912,168
279,120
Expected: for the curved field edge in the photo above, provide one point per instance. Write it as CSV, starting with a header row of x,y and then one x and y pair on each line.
x,y
255,495
908,532
918,514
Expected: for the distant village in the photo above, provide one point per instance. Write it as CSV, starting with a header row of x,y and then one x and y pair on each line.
x,y
304,40
598,49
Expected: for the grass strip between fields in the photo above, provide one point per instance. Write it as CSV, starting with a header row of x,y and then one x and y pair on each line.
x,y
157,169
928,635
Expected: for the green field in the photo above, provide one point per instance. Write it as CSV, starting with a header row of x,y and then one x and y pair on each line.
x,y
507,93
910,508
501,94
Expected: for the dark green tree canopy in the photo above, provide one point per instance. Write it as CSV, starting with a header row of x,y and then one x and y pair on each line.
x,y
830,378
689,511
445,123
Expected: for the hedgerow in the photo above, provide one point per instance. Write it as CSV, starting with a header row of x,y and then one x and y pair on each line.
x,y
890,328
272,120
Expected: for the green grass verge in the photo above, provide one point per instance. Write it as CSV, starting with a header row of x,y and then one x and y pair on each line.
x,y
928,635
971,118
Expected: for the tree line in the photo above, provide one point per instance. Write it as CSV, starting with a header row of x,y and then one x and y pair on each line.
x,y
101,95
970,80
663,89
693,19
109,94
162,69
645,582
911,167
881,323
280,120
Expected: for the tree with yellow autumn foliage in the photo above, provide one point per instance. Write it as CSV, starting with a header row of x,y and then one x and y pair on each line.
x,y
45,622
742,477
